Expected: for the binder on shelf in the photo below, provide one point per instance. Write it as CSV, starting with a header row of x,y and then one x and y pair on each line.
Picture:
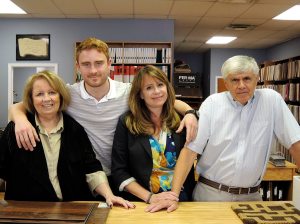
x,y
118,76
132,72
126,74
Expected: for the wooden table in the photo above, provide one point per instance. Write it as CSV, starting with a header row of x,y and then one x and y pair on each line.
x,y
188,212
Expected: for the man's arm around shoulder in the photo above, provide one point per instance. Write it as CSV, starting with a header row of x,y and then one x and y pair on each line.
x,y
26,135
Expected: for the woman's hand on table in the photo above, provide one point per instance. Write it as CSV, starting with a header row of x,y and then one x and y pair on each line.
x,y
168,195
170,205
115,200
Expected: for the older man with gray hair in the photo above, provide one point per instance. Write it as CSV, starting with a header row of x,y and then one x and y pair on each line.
x,y
235,132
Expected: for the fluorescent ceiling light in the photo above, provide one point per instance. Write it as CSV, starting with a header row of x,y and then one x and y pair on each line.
x,y
8,7
220,40
290,14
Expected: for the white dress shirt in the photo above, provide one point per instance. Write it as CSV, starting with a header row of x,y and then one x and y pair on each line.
x,y
235,140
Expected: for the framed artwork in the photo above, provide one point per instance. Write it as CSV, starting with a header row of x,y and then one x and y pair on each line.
x,y
32,47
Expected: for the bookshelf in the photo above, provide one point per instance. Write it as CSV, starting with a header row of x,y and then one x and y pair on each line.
x,y
284,77
188,88
128,57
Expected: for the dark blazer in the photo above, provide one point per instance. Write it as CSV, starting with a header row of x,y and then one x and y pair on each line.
x,y
26,172
132,157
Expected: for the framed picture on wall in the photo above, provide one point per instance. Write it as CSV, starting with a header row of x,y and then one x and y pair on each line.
x,y
32,47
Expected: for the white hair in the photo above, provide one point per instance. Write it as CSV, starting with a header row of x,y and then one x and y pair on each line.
x,y
239,64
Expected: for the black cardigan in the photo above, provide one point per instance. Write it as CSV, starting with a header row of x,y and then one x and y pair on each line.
x,y
132,157
26,172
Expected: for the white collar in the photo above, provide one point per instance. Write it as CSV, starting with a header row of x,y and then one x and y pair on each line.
x,y
236,103
110,95
58,129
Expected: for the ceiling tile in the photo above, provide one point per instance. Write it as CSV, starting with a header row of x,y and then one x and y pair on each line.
x,y
234,33
264,11
212,22
51,16
283,35
227,10
278,2
113,7
83,16
187,47
250,21
156,7
204,32
120,16
276,24
185,21
264,43
190,8
181,32
150,16
35,6
75,7
258,34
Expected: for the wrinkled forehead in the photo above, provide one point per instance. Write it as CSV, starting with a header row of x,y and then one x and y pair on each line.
x,y
241,75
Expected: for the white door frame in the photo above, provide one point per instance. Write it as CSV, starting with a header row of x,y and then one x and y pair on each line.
x,y
11,67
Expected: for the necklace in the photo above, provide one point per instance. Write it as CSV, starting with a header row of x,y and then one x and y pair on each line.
x,y
160,135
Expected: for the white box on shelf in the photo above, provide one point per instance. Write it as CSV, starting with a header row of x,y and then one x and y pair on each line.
x,y
296,192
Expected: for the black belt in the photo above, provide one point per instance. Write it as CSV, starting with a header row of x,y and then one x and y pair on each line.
x,y
232,190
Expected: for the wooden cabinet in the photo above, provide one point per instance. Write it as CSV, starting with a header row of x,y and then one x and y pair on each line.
x,y
128,57
278,182
274,173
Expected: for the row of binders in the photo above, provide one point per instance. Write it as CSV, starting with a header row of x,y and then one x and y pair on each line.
x,y
289,91
140,55
127,73
280,71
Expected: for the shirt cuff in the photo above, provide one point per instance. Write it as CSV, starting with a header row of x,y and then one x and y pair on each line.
x,y
95,179
125,183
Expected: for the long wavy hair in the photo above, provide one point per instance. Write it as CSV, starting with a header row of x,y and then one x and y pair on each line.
x,y
138,120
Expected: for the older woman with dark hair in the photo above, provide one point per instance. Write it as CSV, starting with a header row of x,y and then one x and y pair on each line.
x,y
146,146
63,166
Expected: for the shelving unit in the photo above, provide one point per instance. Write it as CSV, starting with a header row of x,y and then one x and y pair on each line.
x,y
193,101
284,77
277,182
128,57
188,88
